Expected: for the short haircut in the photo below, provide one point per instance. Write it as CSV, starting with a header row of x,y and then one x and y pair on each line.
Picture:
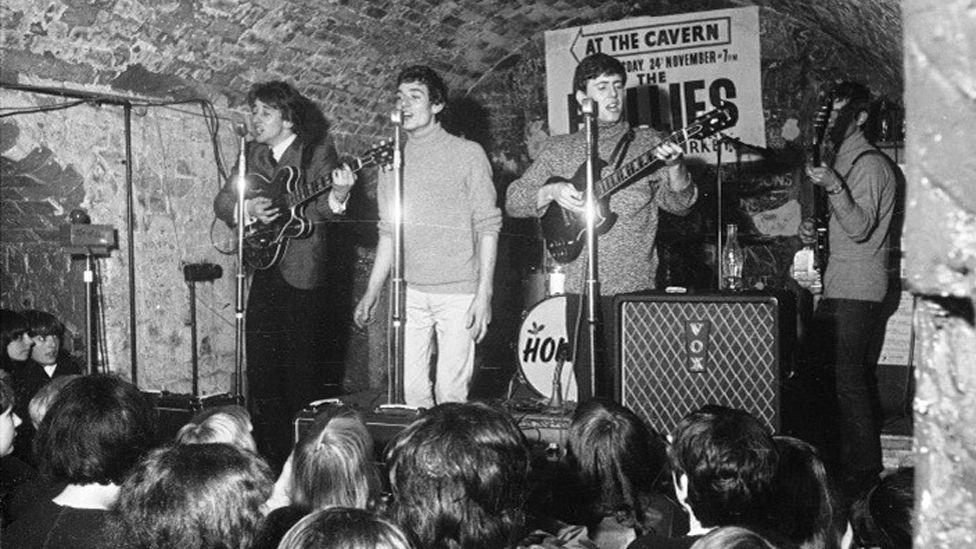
x,y
227,424
595,66
459,476
43,323
618,457
204,496
802,508
97,428
344,528
422,74
857,95
44,397
884,517
733,537
730,459
13,326
308,123
7,398
333,463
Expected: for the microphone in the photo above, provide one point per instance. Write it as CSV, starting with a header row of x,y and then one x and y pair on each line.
x,y
396,116
79,217
240,129
588,107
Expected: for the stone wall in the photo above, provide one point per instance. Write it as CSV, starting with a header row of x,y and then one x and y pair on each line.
x,y
57,161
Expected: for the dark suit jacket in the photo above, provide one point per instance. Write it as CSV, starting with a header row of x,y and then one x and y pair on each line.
x,y
304,260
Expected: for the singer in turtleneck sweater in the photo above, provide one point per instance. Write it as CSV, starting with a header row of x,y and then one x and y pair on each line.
x,y
627,259
450,239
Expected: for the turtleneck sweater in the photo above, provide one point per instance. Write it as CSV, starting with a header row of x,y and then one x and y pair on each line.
x,y
448,200
627,260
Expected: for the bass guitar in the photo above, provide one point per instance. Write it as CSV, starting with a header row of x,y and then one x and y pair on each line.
x,y
265,243
564,229
810,262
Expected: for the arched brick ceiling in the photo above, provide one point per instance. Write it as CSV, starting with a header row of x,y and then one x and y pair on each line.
x,y
343,52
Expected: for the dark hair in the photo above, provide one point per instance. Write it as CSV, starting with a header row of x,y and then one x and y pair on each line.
x,y
308,122
43,323
38,406
459,476
730,459
733,537
422,74
7,398
858,100
344,528
884,516
13,326
204,496
97,428
802,508
333,463
618,458
595,66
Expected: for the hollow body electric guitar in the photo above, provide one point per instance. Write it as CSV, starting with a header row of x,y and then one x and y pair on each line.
x,y
564,229
810,262
265,243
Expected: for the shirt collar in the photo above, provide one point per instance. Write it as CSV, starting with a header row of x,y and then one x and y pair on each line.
x,y
278,150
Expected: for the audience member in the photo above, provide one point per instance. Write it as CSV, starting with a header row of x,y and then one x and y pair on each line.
x,y
884,517
95,431
199,496
47,361
803,508
623,464
734,537
16,340
724,463
345,528
331,466
224,424
14,472
39,405
459,476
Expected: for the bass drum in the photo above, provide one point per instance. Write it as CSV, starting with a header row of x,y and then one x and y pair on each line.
x,y
544,328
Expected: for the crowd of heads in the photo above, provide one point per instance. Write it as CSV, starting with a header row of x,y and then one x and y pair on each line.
x,y
457,477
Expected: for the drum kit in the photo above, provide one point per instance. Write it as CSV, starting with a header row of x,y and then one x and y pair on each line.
x,y
546,335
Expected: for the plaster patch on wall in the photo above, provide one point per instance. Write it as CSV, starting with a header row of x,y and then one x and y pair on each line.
x,y
791,129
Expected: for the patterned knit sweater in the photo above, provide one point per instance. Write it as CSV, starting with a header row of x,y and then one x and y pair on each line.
x,y
627,259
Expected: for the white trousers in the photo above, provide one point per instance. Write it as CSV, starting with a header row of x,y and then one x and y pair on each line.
x,y
443,315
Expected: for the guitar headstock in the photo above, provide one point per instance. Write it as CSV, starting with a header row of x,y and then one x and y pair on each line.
x,y
716,120
820,123
380,155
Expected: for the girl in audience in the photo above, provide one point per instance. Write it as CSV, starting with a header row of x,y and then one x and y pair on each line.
x,y
623,465
95,431
331,466
16,340
344,528
194,496
226,424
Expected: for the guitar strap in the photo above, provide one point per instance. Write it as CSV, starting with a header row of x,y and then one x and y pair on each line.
x,y
620,151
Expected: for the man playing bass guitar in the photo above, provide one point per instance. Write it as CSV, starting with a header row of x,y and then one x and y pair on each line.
x,y
626,257
293,336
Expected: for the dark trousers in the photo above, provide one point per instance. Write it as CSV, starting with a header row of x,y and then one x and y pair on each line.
x,y
845,339
606,370
295,352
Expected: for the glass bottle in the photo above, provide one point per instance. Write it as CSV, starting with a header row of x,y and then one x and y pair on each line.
x,y
732,259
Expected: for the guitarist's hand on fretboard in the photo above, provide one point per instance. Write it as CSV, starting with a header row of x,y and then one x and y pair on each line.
x,y
807,231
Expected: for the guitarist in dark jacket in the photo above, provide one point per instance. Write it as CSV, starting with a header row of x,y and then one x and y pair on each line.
x,y
627,259
291,339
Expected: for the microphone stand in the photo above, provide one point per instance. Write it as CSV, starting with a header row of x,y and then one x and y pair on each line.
x,y
592,269
395,383
239,300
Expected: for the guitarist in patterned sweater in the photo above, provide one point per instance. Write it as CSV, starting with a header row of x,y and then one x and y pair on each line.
x,y
860,185
290,339
627,258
